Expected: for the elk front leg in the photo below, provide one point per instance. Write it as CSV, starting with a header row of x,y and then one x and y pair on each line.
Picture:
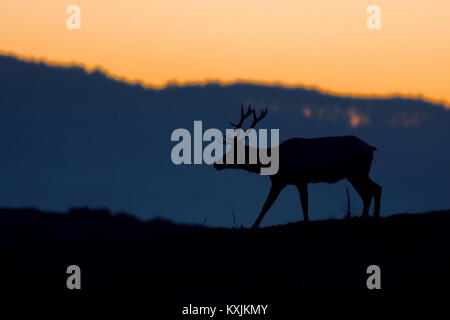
x,y
303,190
273,194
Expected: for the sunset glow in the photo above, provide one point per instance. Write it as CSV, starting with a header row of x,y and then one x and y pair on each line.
x,y
323,44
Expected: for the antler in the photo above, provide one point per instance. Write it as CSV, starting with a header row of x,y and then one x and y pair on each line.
x,y
257,119
243,116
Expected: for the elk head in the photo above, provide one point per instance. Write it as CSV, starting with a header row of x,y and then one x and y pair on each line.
x,y
240,155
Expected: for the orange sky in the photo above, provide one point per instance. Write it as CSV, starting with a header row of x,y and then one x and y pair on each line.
x,y
323,43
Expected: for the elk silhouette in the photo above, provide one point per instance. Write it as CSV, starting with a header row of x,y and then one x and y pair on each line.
x,y
304,161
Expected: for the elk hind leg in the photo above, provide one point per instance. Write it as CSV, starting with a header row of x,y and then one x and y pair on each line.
x,y
376,191
364,189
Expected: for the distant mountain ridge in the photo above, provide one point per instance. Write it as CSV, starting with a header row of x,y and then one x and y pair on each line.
x,y
72,138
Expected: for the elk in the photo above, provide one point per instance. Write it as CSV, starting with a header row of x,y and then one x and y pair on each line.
x,y
303,161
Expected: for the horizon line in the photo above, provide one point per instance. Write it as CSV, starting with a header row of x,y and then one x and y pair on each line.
x,y
174,82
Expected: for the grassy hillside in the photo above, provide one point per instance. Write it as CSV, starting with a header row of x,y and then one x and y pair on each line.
x,y
121,256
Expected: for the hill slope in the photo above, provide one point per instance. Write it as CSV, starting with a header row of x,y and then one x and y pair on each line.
x,y
122,257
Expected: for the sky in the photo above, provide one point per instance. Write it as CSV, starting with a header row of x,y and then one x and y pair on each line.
x,y
314,43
